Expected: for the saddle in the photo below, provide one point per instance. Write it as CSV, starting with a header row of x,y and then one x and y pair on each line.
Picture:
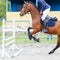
x,y
49,21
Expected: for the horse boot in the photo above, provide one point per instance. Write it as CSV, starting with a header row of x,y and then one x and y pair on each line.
x,y
45,27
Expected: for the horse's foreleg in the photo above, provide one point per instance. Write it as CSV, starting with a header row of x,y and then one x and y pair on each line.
x,y
57,46
35,39
29,35
37,29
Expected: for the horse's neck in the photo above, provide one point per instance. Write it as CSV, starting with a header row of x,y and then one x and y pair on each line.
x,y
34,12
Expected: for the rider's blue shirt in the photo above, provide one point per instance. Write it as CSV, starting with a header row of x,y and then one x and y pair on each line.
x,y
43,5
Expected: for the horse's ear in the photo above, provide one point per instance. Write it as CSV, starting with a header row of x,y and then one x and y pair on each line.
x,y
25,2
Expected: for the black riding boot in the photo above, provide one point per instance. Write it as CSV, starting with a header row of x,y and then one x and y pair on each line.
x,y
45,27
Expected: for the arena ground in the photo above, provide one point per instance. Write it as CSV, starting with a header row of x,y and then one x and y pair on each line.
x,y
36,52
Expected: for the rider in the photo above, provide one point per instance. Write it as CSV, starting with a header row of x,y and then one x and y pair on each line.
x,y
44,8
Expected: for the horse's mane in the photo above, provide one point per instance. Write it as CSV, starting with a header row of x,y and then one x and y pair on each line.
x,y
34,5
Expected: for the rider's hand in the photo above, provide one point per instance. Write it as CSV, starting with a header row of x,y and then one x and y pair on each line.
x,y
41,13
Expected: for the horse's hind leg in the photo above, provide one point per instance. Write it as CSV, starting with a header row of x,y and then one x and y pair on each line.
x,y
53,49
57,46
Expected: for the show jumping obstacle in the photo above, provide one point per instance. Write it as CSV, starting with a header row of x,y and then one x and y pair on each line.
x,y
9,40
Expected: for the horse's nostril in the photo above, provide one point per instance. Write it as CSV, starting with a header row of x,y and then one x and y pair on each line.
x,y
20,14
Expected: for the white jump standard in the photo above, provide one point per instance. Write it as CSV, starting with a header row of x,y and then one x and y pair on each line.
x,y
13,46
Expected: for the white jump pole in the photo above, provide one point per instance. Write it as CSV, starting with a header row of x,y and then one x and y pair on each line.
x,y
13,46
3,42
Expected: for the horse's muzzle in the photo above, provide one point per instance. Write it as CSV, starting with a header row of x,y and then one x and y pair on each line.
x,y
21,14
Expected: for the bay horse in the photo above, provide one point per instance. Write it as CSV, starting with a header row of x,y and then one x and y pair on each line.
x,y
37,26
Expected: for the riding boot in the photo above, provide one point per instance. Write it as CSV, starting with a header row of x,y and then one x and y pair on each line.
x,y
45,27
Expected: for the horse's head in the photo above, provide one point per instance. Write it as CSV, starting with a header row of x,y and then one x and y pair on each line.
x,y
25,9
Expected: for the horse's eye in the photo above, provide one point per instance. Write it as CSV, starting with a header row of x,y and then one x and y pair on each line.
x,y
24,6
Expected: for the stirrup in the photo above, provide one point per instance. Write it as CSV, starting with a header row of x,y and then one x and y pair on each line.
x,y
45,30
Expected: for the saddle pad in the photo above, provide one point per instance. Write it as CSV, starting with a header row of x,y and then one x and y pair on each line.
x,y
51,23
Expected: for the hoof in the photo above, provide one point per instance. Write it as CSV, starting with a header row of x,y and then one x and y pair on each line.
x,y
51,52
35,39
30,36
38,40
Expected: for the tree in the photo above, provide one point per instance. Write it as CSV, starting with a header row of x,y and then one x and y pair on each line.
x,y
2,8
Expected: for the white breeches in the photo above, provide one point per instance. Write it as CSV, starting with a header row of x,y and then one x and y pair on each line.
x,y
45,13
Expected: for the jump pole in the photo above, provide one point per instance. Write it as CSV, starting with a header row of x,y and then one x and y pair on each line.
x,y
3,42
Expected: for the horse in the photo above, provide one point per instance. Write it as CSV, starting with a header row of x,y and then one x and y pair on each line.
x,y
37,26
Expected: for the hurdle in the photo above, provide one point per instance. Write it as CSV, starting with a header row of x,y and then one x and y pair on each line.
x,y
13,46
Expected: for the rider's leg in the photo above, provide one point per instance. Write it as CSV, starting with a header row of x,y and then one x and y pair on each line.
x,y
45,25
45,13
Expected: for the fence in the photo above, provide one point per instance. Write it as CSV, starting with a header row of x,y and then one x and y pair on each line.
x,y
22,34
